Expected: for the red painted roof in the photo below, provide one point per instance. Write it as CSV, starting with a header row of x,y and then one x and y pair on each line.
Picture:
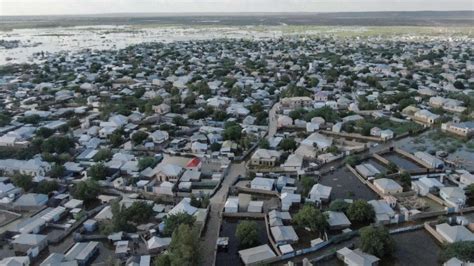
x,y
194,162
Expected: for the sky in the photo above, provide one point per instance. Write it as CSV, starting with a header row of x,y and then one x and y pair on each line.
x,y
61,7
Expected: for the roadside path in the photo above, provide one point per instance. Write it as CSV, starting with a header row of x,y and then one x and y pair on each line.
x,y
211,232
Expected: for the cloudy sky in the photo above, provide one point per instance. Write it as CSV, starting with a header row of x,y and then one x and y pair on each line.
x,y
56,7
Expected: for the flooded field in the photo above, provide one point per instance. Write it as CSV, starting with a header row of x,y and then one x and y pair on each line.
x,y
415,248
231,257
346,185
460,150
75,39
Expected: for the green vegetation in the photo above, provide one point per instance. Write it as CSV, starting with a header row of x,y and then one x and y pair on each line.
x,y
312,218
103,155
247,234
173,221
361,212
57,171
125,219
264,144
184,248
288,144
363,126
86,190
45,187
463,250
146,162
138,137
307,183
376,241
97,171
339,205
352,160
23,181
232,131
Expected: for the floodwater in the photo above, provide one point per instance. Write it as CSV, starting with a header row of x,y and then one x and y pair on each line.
x,y
402,162
75,39
231,257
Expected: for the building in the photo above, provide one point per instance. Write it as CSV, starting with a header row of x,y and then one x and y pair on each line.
x,y
265,157
157,244
29,244
387,186
356,257
454,233
319,193
383,212
168,172
296,102
231,205
464,129
429,160
256,255
33,167
455,196
82,252
284,235
337,220
262,183
367,170
426,117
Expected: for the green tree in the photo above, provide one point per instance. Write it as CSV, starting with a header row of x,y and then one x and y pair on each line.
x,y
247,234
232,131
405,178
463,250
376,241
339,205
184,246
23,181
264,144
57,171
116,138
139,136
215,146
86,190
352,160
146,162
312,218
44,132
45,187
392,167
361,212
57,144
97,171
288,144
307,182
173,221
179,121
103,155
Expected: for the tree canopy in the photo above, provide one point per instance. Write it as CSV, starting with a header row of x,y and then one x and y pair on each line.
x,y
463,250
376,241
247,234
361,212
312,218
173,221
86,190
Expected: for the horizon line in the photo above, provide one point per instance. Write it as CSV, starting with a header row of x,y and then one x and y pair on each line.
x,y
226,13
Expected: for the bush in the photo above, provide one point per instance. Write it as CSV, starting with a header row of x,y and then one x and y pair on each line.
x,y
138,137
103,155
